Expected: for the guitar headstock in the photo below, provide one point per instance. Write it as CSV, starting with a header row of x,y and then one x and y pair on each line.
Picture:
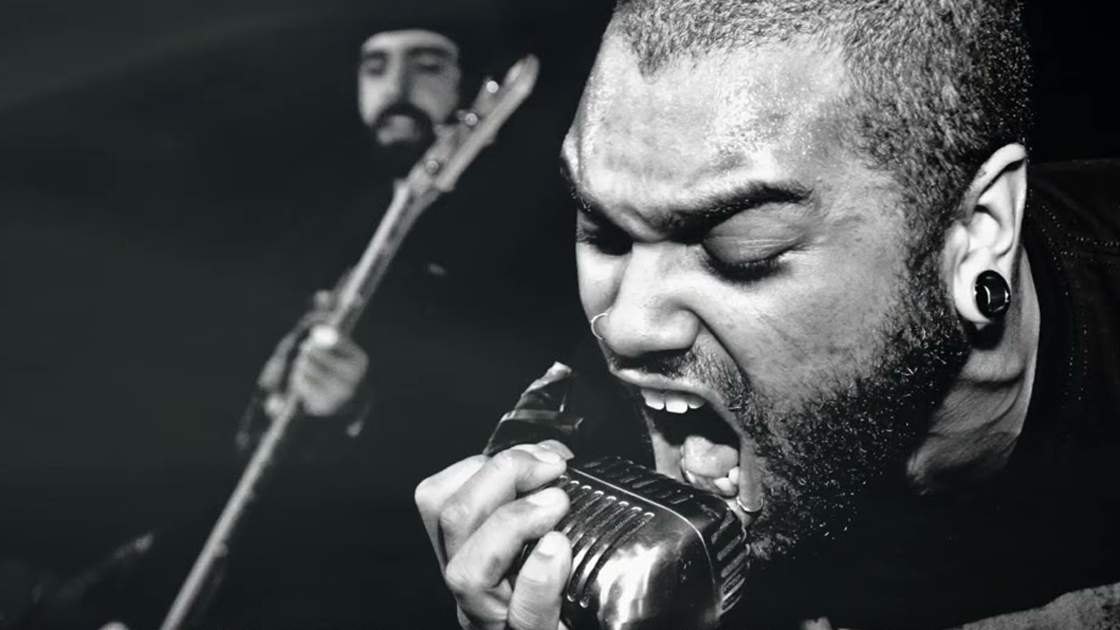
x,y
458,143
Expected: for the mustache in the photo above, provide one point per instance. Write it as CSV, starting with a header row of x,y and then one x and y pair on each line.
x,y
403,108
694,364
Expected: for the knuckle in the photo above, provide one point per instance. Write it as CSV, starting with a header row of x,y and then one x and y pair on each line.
x,y
464,620
459,580
431,493
300,365
426,496
510,460
455,514
510,515
524,616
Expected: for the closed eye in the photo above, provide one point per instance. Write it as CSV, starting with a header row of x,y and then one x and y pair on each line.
x,y
748,271
602,235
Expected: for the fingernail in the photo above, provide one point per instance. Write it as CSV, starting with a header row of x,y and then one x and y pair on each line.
x,y
557,447
550,544
548,456
544,497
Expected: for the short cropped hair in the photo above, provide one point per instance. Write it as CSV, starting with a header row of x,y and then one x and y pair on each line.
x,y
936,85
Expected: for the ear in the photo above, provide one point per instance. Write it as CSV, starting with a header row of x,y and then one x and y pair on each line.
x,y
987,235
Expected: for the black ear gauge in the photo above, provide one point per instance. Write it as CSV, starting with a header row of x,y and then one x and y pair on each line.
x,y
993,294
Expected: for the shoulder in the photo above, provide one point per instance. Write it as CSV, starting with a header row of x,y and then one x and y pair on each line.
x,y
1090,609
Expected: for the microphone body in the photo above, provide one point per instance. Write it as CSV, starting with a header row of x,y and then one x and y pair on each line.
x,y
648,552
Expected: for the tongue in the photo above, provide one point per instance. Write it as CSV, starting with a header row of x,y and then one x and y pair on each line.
x,y
700,457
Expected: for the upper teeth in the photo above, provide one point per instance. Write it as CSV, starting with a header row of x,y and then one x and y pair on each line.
x,y
674,402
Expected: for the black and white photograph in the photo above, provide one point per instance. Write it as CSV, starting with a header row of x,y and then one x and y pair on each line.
x,y
584,315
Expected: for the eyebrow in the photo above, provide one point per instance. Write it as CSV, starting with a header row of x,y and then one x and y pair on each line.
x,y
372,55
436,51
377,54
693,221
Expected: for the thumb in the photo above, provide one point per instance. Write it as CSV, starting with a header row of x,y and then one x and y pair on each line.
x,y
539,586
276,368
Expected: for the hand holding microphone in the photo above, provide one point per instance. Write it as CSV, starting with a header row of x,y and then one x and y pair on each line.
x,y
480,514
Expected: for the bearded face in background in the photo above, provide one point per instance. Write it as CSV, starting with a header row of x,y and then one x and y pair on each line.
x,y
408,83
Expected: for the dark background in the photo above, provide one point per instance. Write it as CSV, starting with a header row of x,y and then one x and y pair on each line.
x,y
159,163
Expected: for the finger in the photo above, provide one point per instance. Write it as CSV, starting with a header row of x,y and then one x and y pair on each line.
x,y
321,397
476,573
314,382
346,377
536,450
352,366
433,493
273,372
539,587
501,480
559,447
327,341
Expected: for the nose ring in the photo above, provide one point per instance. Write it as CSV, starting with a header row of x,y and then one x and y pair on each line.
x,y
595,319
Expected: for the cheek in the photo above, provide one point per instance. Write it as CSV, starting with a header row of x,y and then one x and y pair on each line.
x,y
810,328
598,279
371,98
437,96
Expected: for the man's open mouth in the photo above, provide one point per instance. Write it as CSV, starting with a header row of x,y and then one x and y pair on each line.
x,y
698,440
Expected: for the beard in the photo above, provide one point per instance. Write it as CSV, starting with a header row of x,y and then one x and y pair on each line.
x,y
854,433
395,156
857,432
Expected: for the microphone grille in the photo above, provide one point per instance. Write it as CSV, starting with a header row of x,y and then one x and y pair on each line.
x,y
616,505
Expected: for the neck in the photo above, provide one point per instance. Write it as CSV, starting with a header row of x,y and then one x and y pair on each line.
x,y
975,430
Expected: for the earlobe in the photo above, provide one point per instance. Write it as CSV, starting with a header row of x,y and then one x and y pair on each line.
x,y
982,247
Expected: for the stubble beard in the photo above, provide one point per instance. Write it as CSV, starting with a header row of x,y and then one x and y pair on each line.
x,y
855,433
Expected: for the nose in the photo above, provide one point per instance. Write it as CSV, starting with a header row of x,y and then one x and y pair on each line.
x,y
398,83
649,314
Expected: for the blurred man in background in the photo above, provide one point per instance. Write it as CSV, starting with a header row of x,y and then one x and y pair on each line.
x,y
408,85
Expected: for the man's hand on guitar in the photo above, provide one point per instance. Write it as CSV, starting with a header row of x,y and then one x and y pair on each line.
x,y
479,516
326,368
327,371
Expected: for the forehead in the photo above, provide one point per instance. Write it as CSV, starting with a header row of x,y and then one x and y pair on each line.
x,y
402,40
700,125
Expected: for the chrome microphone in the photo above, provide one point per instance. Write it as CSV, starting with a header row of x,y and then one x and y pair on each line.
x,y
648,552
